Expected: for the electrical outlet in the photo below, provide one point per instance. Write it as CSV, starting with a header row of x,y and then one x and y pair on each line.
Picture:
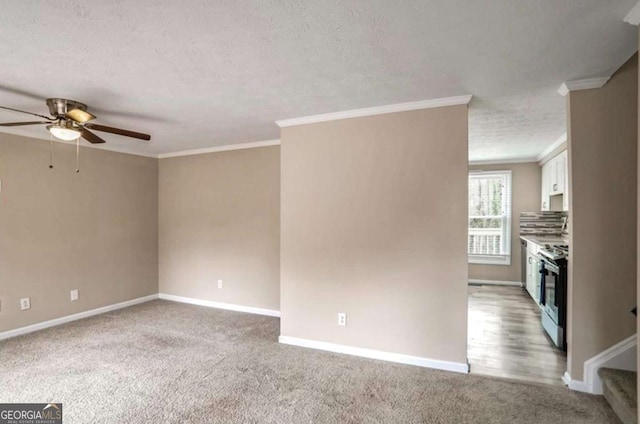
x,y
342,319
25,303
74,295
219,284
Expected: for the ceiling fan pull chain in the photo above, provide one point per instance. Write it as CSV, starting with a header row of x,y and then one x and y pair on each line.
x,y
78,154
50,151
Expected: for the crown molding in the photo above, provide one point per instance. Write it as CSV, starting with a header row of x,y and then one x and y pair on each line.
x,y
224,148
584,84
105,146
377,110
110,148
83,144
502,161
552,147
633,17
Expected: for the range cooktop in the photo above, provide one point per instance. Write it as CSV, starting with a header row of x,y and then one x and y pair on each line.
x,y
555,251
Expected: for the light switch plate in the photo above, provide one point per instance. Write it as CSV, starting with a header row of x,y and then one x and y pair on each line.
x,y
74,295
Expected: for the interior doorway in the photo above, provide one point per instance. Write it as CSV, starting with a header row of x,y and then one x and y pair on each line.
x,y
506,295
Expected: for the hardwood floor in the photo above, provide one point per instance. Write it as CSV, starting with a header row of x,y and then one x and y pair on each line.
x,y
506,338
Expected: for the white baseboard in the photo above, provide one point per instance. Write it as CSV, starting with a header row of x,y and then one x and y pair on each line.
x,y
377,354
621,356
496,282
69,318
579,386
219,305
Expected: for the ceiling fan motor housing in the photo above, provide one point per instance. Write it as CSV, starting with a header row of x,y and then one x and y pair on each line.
x,y
59,107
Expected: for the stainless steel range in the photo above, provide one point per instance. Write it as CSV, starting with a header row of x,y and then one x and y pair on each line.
x,y
553,269
555,251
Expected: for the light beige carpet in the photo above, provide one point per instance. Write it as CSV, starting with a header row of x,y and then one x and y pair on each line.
x,y
168,362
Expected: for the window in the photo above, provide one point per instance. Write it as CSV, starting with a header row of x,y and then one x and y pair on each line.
x,y
490,217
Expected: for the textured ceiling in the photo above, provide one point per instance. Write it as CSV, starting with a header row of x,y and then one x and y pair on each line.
x,y
209,73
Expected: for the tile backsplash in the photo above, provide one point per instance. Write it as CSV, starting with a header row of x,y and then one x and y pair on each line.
x,y
543,223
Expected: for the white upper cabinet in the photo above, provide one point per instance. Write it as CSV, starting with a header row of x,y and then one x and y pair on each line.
x,y
555,181
546,184
558,171
565,198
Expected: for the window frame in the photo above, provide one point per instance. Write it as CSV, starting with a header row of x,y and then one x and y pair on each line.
x,y
501,259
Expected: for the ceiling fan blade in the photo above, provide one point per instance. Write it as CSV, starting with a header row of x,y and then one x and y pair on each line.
x,y
18,124
30,113
91,137
79,115
119,131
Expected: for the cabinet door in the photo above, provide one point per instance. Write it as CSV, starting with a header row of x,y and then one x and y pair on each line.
x,y
565,197
553,175
546,184
530,276
556,174
561,166
536,279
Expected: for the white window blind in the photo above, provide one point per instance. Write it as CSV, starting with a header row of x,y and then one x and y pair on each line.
x,y
489,240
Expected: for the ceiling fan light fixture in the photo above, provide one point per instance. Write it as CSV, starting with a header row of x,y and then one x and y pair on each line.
x,y
64,133
69,121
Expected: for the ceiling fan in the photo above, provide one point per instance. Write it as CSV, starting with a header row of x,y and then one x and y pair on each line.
x,y
69,120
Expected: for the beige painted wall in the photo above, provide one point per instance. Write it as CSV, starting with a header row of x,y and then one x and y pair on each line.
x,y
603,132
220,219
525,183
374,214
95,231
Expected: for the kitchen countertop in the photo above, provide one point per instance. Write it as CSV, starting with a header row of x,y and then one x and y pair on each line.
x,y
542,240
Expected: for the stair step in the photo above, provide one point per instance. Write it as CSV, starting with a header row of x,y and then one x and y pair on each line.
x,y
620,389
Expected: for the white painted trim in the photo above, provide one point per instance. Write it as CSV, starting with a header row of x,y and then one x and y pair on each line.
x,y
552,147
496,282
105,146
224,148
498,260
109,147
633,17
83,144
576,385
376,110
69,318
606,358
592,382
377,354
219,305
502,161
584,84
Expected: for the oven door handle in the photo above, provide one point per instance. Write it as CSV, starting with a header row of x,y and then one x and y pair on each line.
x,y
546,266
